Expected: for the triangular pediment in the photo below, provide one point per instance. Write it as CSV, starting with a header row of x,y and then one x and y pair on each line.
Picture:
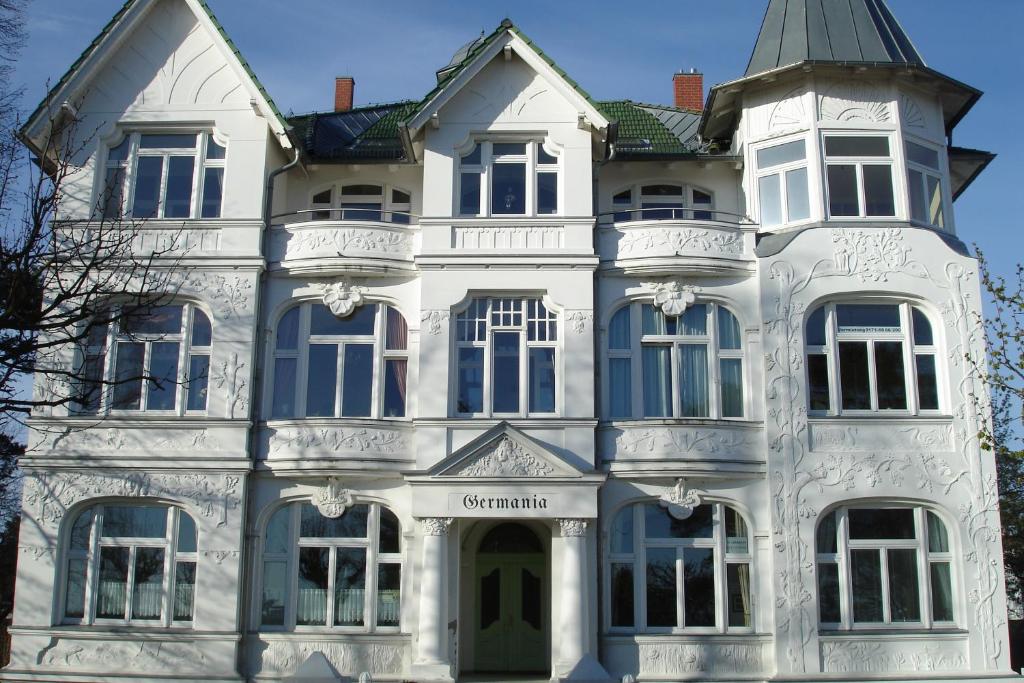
x,y
504,452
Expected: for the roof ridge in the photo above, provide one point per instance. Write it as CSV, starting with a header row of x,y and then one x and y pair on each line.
x,y
668,107
364,107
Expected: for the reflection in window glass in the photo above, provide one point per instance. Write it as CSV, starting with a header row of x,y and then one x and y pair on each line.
x,y
661,587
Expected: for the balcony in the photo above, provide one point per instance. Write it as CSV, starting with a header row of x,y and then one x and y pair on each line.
x,y
673,241
344,241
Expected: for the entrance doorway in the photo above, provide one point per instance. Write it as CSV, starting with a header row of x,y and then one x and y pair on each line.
x,y
511,595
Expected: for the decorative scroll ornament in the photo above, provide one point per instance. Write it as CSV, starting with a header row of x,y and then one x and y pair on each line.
x,y
332,499
342,297
672,297
681,501
435,526
508,459
573,527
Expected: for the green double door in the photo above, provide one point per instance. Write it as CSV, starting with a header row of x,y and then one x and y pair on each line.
x,y
511,613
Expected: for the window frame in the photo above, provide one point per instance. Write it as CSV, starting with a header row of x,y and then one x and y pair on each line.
x,y
937,172
334,210
782,170
533,167
687,212
859,162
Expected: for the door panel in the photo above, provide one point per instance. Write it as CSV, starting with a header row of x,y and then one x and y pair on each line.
x,y
511,628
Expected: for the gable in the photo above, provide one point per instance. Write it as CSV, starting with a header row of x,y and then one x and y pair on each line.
x,y
504,452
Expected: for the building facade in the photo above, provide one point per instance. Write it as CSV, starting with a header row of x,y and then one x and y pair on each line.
x,y
508,380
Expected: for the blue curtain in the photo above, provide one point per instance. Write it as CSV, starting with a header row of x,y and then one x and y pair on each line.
x,y
657,380
620,392
693,380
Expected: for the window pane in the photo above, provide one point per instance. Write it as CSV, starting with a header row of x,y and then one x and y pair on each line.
x,y
163,368
186,534
397,333
868,318
815,332
942,592
202,333
178,202
738,581
693,380
508,149
934,196
694,320
508,188
352,524
213,192
938,540
922,328
658,523
390,532
927,383
890,376
168,141
922,155
878,192
469,194
842,190
731,377
728,330
277,531
214,150
119,153
542,380
284,388
74,595
657,381
389,593
322,383
394,387
184,591
662,190
161,320
871,523
654,322
915,188
736,540
699,586
866,572
147,595
349,586
856,146
356,395
547,193
274,582
473,158
904,603
148,171
314,572
826,539
112,199
122,521
769,192
817,377
853,375
620,387
112,597
828,593
471,375
80,531
622,531
781,154
362,191
622,594
128,376
198,382
505,388
661,587
543,157
359,322
360,211
618,330
288,330
797,201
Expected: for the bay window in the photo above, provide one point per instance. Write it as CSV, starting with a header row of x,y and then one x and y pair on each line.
x,y
330,366
164,175
130,564
871,357
858,172
507,178
362,202
340,572
667,574
663,201
506,351
884,566
924,185
690,365
782,188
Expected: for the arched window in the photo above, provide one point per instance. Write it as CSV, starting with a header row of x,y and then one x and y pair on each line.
x,y
884,565
151,358
662,202
130,563
362,202
507,351
342,572
666,573
330,366
871,357
690,365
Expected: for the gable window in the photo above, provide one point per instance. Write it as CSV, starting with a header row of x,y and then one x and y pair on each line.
x,y
508,179
154,358
662,202
377,203
667,574
330,366
689,365
506,358
884,566
164,175
131,564
876,357
858,170
782,189
924,185
343,573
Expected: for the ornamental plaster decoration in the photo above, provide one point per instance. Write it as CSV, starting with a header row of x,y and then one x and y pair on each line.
x,y
579,320
185,241
187,440
508,237
634,441
640,242
336,439
872,256
848,101
681,501
218,556
789,113
49,495
342,297
121,655
284,656
878,437
38,552
572,527
435,320
229,376
911,115
672,659
230,295
332,499
113,439
507,458
339,241
895,655
435,526
672,296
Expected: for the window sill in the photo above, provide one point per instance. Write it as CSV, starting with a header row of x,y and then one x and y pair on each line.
x,y
891,630
743,423
894,416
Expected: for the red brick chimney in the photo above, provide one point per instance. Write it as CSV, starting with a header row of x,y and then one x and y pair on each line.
x,y
688,89
344,89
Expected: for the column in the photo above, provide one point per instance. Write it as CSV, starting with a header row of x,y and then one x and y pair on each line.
x,y
432,654
574,606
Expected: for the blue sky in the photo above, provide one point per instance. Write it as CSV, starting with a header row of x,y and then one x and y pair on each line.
x,y
392,49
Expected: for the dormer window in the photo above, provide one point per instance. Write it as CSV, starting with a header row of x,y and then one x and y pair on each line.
x,y
508,179
782,183
924,185
858,169
663,202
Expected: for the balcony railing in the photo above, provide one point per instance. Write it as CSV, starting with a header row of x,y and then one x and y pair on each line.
x,y
347,214
672,213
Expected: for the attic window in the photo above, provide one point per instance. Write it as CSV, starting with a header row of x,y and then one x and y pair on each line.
x,y
495,180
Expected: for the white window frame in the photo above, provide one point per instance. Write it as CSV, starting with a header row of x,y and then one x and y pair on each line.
x,y
926,172
638,558
333,210
488,160
925,558
172,557
859,162
688,212
782,170
374,558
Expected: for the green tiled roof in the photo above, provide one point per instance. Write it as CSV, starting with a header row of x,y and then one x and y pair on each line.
x,y
652,130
